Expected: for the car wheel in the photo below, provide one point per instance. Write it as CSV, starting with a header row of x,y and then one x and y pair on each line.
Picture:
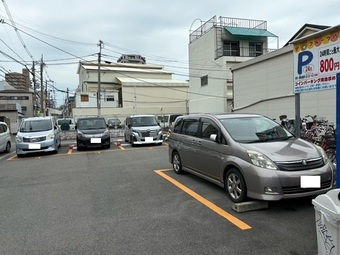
x,y
235,185
56,146
8,147
177,163
78,147
131,141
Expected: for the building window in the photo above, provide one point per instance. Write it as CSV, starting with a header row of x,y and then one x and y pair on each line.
x,y
84,98
255,49
204,80
231,49
110,98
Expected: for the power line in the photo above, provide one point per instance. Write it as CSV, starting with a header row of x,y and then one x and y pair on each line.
x,y
16,30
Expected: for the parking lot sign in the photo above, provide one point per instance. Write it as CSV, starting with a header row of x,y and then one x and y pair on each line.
x,y
316,62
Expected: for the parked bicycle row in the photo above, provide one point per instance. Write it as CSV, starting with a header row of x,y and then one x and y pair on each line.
x,y
316,130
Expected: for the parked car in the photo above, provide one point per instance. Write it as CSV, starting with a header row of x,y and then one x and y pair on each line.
x,y
114,123
66,124
166,121
38,134
92,132
250,155
5,138
143,129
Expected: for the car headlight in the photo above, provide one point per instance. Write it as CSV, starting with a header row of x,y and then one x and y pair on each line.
x,y
323,154
50,136
135,131
106,132
260,160
18,139
80,134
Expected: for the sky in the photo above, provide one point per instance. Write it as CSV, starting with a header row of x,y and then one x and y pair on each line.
x,y
64,32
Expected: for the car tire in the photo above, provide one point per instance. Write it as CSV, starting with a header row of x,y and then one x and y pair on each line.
x,y
177,163
131,141
78,147
235,186
8,147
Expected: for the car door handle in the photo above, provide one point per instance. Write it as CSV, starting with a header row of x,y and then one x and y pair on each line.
x,y
196,142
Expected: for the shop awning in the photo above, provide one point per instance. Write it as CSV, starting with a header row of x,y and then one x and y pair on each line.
x,y
249,31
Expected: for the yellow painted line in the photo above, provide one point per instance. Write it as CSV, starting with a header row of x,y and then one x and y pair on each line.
x,y
13,157
119,145
70,150
237,222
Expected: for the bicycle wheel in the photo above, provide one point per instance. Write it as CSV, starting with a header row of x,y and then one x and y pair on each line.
x,y
331,153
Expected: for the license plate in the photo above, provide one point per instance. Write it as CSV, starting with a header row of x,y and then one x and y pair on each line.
x,y
148,139
310,181
96,140
34,146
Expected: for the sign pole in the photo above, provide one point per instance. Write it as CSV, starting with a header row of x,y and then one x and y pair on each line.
x,y
337,126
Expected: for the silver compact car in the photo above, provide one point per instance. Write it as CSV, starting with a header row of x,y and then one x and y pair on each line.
x,y
5,138
143,129
38,134
92,132
250,155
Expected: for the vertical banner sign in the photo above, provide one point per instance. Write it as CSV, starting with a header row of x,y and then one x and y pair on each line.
x,y
337,126
316,62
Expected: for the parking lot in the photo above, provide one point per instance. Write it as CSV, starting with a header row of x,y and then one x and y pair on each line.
x,y
127,200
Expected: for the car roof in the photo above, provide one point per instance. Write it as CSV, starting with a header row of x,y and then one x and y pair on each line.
x,y
38,118
142,115
91,117
221,115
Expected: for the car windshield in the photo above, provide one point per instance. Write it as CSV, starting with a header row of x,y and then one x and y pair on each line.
x,y
255,129
144,121
113,121
64,121
36,125
91,124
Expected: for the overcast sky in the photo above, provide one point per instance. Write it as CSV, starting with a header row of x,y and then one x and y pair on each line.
x,y
64,32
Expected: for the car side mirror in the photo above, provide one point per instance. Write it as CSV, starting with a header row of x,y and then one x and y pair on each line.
x,y
129,126
213,137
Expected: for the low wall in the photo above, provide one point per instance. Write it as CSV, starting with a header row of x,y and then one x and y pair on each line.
x,y
71,134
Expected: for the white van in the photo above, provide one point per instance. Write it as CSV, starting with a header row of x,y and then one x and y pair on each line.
x,y
66,124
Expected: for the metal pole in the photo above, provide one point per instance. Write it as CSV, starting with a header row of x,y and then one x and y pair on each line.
x,y
41,87
297,115
99,85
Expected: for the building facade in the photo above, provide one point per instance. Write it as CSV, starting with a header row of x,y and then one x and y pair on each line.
x,y
214,48
265,85
126,89
15,105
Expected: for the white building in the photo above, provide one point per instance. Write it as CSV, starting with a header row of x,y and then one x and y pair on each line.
x,y
265,85
214,48
128,89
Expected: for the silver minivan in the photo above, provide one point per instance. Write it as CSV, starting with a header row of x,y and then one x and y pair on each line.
x,y
38,134
250,155
143,129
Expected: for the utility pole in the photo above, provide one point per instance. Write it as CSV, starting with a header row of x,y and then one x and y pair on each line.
x,y
41,87
68,103
99,85
35,91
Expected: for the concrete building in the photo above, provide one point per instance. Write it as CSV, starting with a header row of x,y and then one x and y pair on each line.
x,y
214,47
265,85
127,89
20,81
15,104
